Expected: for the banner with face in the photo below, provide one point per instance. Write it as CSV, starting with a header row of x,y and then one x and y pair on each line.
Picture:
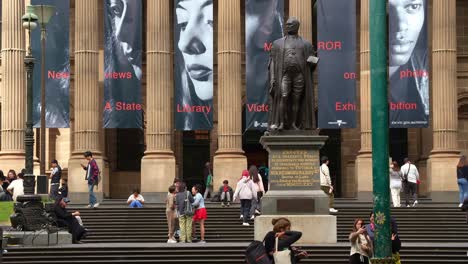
x,y
193,42
408,64
263,25
336,44
122,64
57,67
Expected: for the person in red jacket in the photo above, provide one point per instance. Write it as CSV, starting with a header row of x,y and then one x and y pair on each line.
x,y
92,176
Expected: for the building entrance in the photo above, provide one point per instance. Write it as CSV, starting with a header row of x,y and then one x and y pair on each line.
x,y
398,144
196,152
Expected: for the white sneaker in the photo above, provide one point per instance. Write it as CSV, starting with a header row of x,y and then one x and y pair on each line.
x,y
408,205
333,210
88,206
257,212
415,203
253,217
460,205
245,224
96,205
171,241
241,216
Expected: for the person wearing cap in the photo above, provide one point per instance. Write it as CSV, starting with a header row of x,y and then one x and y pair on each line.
x,y
70,220
245,191
326,183
92,176
55,176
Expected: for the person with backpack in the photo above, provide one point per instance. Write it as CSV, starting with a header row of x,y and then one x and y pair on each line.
x,y
185,212
245,191
326,183
410,181
92,176
208,177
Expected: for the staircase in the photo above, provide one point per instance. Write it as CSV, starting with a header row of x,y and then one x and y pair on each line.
x,y
432,233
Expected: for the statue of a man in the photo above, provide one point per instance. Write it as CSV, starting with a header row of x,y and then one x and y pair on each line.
x,y
292,62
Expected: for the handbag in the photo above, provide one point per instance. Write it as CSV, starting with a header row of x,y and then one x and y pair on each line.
x,y
281,257
188,207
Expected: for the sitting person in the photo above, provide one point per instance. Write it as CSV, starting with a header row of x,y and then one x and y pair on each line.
x,y
70,220
286,237
225,192
136,200
16,187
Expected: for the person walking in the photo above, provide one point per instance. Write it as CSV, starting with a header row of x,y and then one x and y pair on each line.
x,y
55,176
184,202
200,215
462,179
410,179
208,177
395,183
259,189
92,176
326,183
361,244
245,191
171,214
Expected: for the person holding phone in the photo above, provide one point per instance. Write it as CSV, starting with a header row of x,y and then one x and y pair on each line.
x,y
361,244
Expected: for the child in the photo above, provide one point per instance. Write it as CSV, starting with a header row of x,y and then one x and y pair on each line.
x,y
225,193
63,191
171,214
200,212
136,200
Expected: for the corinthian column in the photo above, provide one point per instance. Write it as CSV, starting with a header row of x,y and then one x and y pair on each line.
x,y
13,88
444,154
363,172
302,9
158,165
229,160
87,94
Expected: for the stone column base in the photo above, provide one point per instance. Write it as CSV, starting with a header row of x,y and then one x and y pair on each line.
x,y
442,178
78,186
228,167
157,174
363,176
316,229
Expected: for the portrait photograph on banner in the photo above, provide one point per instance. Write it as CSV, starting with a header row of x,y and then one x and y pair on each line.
x,y
263,25
57,67
122,64
336,46
408,64
193,73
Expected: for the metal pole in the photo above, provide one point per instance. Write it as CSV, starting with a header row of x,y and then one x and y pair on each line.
x,y
379,106
29,133
43,103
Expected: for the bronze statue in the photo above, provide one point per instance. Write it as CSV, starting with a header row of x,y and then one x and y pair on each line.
x,y
292,62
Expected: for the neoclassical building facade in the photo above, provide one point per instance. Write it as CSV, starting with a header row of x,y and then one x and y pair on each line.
x,y
151,158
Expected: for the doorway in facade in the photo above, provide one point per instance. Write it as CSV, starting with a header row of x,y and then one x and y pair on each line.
x,y
398,144
332,149
196,152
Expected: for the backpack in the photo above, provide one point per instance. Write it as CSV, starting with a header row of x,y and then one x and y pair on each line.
x,y
256,254
188,206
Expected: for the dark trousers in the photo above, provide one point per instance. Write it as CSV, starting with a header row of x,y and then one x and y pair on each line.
x,y
410,191
356,259
54,191
245,205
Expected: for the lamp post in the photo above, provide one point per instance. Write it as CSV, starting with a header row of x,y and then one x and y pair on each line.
x,y
44,13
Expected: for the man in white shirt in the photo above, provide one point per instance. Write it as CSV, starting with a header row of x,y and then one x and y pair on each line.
x,y
16,187
326,183
410,180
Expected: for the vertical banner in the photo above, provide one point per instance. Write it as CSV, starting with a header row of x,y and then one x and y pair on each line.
x,y
122,64
408,64
193,36
57,67
263,25
336,33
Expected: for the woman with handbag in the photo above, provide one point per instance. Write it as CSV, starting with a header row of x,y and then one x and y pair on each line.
x,y
184,207
278,243
361,244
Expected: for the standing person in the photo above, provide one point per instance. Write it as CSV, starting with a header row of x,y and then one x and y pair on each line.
x,y
92,176
200,212
184,202
16,187
395,183
55,176
171,214
370,228
326,183
208,176
286,237
225,192
361,244
263,170
410,179
259,189
136,200
245,191
462,179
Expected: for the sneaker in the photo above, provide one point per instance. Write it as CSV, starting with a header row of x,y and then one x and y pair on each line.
x,y
333,210
407,205
222,204
228,204
253,217
460,205
171,241
202,242
241,216
245,224
257,212
415,203
96,205
89,206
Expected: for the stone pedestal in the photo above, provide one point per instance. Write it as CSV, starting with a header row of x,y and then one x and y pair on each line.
x,y
295,187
